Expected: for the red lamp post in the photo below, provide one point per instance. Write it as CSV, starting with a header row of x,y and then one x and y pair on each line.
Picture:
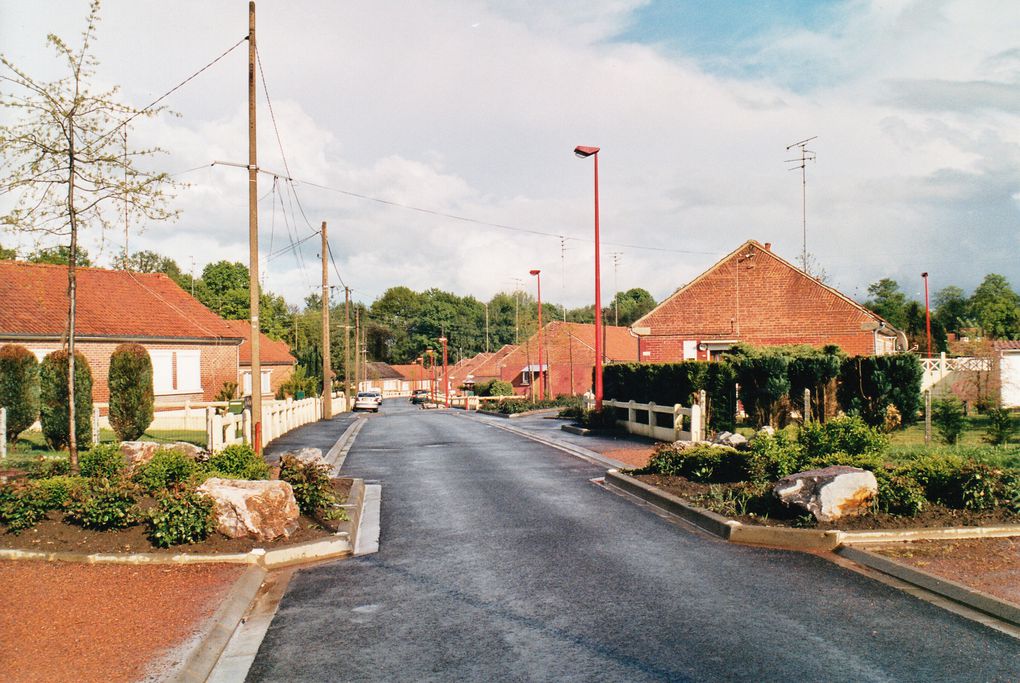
x,y
420,362
585,152
432,380
446,379
541,384
927,312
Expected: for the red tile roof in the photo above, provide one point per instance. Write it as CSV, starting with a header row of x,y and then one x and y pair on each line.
x,y
271,351
410,371
111,303
491,366
565,342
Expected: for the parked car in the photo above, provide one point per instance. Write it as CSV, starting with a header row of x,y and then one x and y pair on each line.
x,y
420,396
366,401
377,394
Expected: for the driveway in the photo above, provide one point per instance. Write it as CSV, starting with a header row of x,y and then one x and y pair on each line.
x,y
500,561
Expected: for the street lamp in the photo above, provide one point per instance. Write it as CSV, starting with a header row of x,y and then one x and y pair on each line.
x,y
432,379
420,362
541,384
927,312
585,152
446,379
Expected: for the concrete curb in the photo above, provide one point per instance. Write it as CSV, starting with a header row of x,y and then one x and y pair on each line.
x,y
983,602
368,526
514,416
576,451
201,661
338,453
704,519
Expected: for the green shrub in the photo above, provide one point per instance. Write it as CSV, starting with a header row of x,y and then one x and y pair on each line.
x,y
868,384
495,387
849,435
180,516
21,506
572,412
238,461
947,416
102,504
54,400
763,376
168,466
701,462
19,388
598,419
940,475
980,486
1000,426
865,461
131,396
311,482
56,491
43,468
102,460
772,457
899,494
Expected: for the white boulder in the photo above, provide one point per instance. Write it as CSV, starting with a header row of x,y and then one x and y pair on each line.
x,y
140,452
830,493
262,509
306,455
730,439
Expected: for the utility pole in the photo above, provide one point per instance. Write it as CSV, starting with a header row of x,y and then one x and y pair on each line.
x,y
486,328
253,244
806,155
347,346
616,288
327,371
357,349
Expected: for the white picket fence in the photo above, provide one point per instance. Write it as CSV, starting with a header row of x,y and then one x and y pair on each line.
x,y
938,369
695,416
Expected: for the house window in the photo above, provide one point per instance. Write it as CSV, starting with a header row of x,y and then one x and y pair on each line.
x,y
176,372
246,381
690,349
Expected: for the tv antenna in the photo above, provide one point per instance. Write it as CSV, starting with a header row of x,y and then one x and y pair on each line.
x,y
806,155
616,296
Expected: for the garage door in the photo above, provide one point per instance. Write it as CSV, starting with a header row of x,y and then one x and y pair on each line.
x,y
1010,366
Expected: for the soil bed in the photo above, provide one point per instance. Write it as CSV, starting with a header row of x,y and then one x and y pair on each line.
x,y
53,534
769,512
990,565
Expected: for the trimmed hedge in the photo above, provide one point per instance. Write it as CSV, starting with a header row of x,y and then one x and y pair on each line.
x,y
19,388
54,413
131,394
869,384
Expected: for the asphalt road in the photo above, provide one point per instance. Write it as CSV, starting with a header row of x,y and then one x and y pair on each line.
x,y
500,561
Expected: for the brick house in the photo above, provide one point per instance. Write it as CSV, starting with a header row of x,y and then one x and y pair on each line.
x,y
755,297
277,361
568,357
194,351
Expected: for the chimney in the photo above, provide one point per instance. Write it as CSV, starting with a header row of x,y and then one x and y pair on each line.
x,y
768,246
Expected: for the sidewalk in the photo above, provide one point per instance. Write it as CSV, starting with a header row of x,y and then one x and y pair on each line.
x,y
321,435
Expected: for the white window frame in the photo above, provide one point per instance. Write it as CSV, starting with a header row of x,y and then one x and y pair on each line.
x,y
267,383
184,374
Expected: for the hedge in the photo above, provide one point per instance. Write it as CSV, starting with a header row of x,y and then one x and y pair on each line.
x,y
54,403
131,394
868,384
19,388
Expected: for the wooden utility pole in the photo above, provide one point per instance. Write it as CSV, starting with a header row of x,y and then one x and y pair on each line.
x,y
327,371
357,350
347,346
253,244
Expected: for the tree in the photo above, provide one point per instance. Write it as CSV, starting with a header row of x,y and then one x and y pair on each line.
x,y
7,254
886,299
19,388
952,309
66,163
996,307
131,392
632,304
60,256
149,262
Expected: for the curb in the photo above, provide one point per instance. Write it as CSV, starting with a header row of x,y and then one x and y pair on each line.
x,y
957,592
338,453
576,451
201,661
514,416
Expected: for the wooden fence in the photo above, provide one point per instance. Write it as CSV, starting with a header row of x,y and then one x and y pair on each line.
x,y
642,419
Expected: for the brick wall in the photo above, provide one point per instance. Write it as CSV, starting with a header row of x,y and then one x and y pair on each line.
x,y
758,300
218,365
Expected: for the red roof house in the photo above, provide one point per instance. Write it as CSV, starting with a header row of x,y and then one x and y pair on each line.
x,y
276,360
194,351
755,297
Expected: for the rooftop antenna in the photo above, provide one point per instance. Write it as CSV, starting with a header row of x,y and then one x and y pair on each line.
x,y
518,286
806,155
563,283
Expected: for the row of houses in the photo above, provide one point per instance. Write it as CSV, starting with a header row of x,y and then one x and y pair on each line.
x,y
194,352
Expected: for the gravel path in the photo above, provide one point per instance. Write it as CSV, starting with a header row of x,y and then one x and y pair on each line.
x,y
103,623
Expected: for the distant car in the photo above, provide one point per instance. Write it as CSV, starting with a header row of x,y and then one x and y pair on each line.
x,y
377,394
366,401
420,396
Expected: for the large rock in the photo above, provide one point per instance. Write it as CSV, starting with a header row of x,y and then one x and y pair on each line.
x,y
829,493
140,452
262,509
306,455
730,439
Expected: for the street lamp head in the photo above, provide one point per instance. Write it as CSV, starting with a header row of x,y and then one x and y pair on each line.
x,y
585,152
924,274
442,340
534,272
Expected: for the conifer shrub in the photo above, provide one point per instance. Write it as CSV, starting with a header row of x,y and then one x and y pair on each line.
x,y
1000,426
54,400
19,388
131,393
947,416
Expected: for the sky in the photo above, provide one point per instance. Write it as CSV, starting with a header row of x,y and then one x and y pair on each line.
x,y
472,108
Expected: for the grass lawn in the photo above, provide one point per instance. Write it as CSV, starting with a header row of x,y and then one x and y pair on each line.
x,y
31,444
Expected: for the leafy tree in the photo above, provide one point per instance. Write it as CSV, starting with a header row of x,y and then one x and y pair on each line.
x,y
952,309
917,329
886,299
8,254
149,262
65,164
996,307
60,256
632,304
55,411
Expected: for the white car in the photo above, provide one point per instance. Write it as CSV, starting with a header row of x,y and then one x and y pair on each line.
x,y
367,401
377,394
